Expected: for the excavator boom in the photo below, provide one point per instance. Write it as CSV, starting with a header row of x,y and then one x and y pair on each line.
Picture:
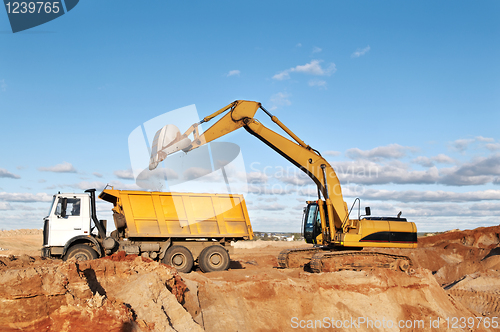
x,y
241,114
326,221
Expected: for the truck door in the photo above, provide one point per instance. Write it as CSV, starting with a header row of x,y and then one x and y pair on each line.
x,y
64,226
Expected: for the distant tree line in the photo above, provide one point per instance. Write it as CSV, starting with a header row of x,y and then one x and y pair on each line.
x,y
277,236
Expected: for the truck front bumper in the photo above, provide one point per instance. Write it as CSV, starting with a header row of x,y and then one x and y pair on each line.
x,y
46,252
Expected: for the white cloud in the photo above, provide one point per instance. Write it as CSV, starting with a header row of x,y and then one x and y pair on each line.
x,y
270,189
5,206
84,185
381,165
280,99
392,151
25,197
159,173
368,173
3,85
444,159
424,161
99,175
461,144
298,45
284,75
309,191
364,171
312,68
195,172
493,146
267,199
65,167
478,172
488,206
124,174
429,162
316,49
359,52
430,195
6,174
298,179
318,83
482,166
268,207
256,177
233,73
484,139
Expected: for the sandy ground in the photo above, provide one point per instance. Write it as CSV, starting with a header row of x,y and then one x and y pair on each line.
x,y
21,241
453,286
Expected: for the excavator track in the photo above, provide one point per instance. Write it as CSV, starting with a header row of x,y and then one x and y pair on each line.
x,y
358,260
292,258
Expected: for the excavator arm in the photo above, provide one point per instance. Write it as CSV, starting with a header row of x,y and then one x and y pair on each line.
x,y
241,114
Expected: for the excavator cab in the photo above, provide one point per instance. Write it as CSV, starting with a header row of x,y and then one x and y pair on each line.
x,y
311,222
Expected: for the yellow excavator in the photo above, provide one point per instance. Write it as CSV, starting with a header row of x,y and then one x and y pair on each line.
x,y
338,240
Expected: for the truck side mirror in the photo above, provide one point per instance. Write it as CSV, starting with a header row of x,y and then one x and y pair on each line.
x,y
368,212
64,205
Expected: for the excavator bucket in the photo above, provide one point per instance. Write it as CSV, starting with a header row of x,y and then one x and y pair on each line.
x,y
167,140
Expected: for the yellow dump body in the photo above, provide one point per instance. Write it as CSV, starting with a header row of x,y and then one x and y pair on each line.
x,y
179,215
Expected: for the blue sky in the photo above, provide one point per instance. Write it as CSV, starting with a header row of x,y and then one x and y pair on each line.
x,y
409,90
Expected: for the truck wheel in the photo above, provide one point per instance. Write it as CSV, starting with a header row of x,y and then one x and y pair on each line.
x,y
81,252
180,258
214,258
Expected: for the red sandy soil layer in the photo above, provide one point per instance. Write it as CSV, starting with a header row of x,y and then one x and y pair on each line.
x,y
455,274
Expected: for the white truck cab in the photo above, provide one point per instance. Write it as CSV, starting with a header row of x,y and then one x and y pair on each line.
x,y
67,229
75,222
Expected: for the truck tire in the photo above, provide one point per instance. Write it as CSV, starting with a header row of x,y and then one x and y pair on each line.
x,y
180,258
81,252
214,258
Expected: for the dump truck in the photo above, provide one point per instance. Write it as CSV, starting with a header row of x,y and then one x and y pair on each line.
x,y
177,229
327,221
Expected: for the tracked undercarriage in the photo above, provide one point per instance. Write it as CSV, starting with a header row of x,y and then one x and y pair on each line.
x,y
321,259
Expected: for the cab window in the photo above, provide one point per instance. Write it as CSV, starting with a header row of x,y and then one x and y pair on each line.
x,y
72,207
310,219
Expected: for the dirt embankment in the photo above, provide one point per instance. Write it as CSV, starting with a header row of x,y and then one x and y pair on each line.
x,y
118,294
284,300
456,274
467,265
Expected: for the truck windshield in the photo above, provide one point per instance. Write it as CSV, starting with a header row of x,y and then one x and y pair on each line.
x,y
51,205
